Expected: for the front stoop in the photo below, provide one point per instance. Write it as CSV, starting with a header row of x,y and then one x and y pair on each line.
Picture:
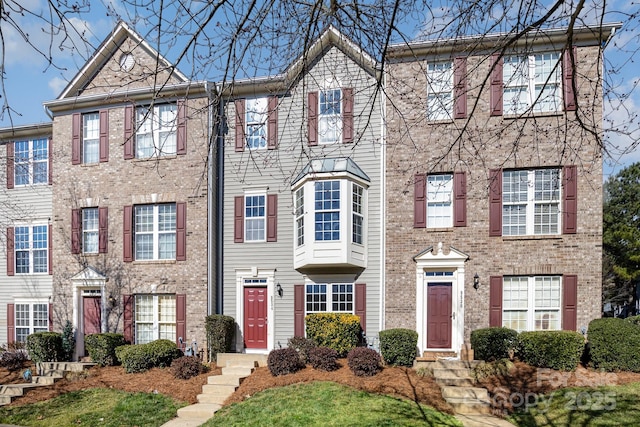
x,y
47,374
217,390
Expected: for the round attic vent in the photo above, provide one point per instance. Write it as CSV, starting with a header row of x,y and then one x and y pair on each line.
x,y
126,61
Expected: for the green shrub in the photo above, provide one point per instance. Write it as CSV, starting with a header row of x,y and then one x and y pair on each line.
x,y
494,343
284,361
186,367
338,331
614,344
323,359
133,358
68,341
559,350
364,362
102,347
142,357
303,346
634,319
45,347
498,368
162,353
398,346
220,334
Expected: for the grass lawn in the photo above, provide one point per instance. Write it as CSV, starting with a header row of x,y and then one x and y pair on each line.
x,y
327,404
95,407
584,407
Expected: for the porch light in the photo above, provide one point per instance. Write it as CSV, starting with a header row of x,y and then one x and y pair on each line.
x,y
279,290
476,281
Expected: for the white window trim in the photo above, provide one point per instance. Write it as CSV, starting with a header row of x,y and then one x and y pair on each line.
x,y
430,203
155,322
299,215
30,163
443,110
95,232
256,273
531,307
329,294
362,214
94,139
155,233
531,204
31,249
263,218
31,326
263,115
330,117
534,104
152,119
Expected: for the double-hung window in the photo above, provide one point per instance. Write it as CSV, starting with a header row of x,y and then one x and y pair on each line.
x,y
531,202
330,116
531,303
299,214
357,196
155,231
156,131
440,200
439,91
90,138
256,122
255,218
90,231
327,210
532,82
31,162
31,251
155,318
30,318
329,297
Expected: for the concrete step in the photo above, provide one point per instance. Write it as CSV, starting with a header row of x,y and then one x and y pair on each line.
x,y
451,373
45,380
242,363
234,380
5,400
477,393
199,410
11,390
469,406
182,422
237,371
222,358
455,364
218,390
457,382
47,368
212,398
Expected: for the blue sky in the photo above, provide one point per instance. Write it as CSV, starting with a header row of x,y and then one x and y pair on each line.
x,y
30,80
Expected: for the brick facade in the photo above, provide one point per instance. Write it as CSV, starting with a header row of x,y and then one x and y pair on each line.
x,y
475,145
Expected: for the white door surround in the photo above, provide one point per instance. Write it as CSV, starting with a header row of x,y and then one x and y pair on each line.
x,y
445,268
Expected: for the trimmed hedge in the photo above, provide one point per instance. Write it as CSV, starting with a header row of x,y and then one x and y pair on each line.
x,y
338,331
494,343
559,350
284,361
142,357
614,344
364,362
323,359
102,348
303,346
45,347
398,346
634,319
221,332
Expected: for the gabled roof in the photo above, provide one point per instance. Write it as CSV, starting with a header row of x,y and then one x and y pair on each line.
x,y
330,37
109,47
428,254
89,274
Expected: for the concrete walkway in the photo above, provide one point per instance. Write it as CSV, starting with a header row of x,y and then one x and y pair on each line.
x,y
469,420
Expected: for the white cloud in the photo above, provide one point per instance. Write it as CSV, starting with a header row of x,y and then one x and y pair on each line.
x,y
622,130
57,85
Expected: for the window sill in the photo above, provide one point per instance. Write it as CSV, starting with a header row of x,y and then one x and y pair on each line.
x,y
154,261
154,158
32,274
529,115
89,165
534,237
440,122
439,229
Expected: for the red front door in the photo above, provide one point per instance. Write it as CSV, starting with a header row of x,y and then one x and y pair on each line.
x,y
439,315
92,315
255,317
